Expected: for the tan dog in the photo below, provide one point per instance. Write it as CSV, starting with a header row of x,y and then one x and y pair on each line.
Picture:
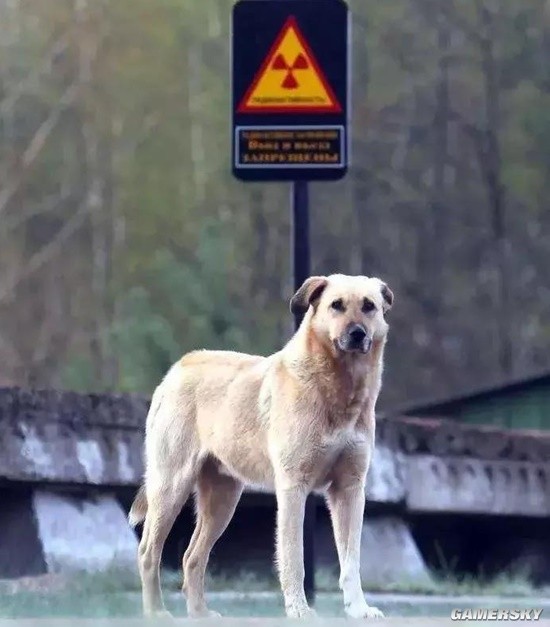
x,y
299,420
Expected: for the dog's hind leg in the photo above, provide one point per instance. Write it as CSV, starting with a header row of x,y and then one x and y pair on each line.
x,y
191,546
217,498
166,495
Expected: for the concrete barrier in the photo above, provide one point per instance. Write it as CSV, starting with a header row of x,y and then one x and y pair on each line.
x,y
90,446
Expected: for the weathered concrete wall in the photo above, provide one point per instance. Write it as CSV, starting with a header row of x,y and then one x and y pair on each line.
x,y
427,465
67,438
47,532
389,553
68,526
448,438
386,478
467,485
92,444
109,410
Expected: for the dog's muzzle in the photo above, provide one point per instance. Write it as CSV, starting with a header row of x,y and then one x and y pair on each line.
x,y
355,340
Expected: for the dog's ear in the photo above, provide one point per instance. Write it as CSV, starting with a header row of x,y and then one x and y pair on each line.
x,y
387,295
310,291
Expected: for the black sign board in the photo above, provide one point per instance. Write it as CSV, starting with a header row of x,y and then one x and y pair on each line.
x,y
290,89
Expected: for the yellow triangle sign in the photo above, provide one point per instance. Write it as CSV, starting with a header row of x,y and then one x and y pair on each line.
x,y
290,80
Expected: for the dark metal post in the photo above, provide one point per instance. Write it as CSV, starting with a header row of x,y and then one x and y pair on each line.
x,y
301,269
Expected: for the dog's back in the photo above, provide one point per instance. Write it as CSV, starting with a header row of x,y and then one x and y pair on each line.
x,y
204,401
187,419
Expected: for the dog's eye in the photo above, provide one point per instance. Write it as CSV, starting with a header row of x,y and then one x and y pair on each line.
x,y
368,305
338,305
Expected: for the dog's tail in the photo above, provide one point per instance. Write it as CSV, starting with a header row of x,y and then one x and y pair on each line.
x,y
138,511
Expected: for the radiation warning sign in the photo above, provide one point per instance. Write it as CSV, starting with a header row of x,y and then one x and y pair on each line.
x,y
290,90
290,78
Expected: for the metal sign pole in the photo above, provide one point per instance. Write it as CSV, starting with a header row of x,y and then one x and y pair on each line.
x,y
299,202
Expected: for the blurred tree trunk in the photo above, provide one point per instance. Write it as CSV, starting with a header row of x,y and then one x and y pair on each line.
x,y
439,205
364,214
97,172
491,164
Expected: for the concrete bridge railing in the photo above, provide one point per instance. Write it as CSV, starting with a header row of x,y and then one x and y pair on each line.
x,y
64,456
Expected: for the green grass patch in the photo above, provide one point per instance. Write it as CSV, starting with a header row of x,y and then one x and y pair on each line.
x,y
469,585
326,580
117,594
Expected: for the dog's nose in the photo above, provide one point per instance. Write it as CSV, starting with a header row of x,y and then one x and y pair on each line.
x,y
357,334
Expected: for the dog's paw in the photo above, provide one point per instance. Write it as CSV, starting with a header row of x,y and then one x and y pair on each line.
x,y
363,611
204,614
373,612
300,611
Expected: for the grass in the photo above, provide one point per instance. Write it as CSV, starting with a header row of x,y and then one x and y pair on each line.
x,y
326,580
502,586
116,594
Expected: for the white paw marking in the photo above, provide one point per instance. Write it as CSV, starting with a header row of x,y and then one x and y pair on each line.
x,y
363,611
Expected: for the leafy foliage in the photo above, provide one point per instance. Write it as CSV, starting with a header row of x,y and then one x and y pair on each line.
x,y
124,240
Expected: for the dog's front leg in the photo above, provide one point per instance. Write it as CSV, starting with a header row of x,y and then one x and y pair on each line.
x,y
347,504
290,550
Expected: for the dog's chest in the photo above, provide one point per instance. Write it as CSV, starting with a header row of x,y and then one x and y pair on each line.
x,y
345,409
333,446
335,441
345,425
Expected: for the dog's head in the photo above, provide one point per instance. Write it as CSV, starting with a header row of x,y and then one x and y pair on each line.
x,y
347,312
